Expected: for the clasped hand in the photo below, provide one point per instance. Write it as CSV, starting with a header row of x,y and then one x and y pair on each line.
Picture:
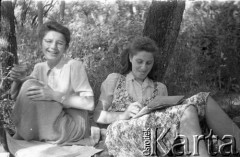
x,y
18,72
40,93
132,110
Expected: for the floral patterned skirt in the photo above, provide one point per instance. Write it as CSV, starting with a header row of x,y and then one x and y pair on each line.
x,y
126,138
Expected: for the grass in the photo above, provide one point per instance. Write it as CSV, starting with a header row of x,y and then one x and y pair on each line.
x,y
6,106
230,103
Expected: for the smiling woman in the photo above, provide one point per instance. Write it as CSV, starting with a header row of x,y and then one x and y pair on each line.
x,y
53,46
53,102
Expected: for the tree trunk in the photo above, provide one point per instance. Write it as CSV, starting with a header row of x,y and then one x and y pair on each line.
x,y
0,33
14,2
9,15
40,14
0,15
163,25
8,55
62,8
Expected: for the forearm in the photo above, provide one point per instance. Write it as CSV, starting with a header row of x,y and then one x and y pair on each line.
x,y
105,117
75,101
15,87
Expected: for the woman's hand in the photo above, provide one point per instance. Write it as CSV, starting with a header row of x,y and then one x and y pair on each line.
x,y
132,110
40,93
18,72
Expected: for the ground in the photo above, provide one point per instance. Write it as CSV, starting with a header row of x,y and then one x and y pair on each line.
x,y
2,152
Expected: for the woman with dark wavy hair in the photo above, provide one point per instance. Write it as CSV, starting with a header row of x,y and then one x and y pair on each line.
x,y
139,44
124,95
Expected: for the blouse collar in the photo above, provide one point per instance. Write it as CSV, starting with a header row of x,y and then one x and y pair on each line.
x,y
147,82
58,66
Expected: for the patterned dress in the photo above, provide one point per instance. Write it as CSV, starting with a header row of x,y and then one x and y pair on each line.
x,y
125,138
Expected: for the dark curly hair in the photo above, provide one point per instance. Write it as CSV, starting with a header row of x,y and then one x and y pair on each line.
x,y
139,44
54,26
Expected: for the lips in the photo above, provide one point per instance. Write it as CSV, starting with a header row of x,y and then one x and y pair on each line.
x,y
52,53
142,73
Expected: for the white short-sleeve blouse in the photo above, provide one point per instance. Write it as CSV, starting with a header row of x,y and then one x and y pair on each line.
x,y
68,76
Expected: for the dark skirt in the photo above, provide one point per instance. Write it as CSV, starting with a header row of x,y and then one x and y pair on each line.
x,y
48,120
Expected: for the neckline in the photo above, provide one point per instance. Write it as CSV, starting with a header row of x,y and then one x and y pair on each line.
x,y
123,80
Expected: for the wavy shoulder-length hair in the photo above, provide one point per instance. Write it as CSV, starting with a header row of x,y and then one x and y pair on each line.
x,y
137,45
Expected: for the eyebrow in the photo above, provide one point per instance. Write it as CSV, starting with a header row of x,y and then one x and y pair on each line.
x,y
52,39
142,60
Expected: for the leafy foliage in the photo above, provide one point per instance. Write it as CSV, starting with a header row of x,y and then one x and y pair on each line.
x,y
207,53
6,112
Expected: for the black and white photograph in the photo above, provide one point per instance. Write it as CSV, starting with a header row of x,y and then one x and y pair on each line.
x,y
119,78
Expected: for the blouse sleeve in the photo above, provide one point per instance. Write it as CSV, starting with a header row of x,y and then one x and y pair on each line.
x,y
79,79
162,89
107,90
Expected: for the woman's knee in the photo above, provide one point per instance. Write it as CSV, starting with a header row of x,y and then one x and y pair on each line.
x,y
31,82
190,113
211,106
189,121
27,84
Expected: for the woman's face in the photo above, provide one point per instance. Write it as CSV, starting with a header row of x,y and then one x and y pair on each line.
x,y
142,64
53,46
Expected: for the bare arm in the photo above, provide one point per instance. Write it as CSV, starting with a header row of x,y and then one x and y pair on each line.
x,y
79,100
75,101
103,116
18,75
106,117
